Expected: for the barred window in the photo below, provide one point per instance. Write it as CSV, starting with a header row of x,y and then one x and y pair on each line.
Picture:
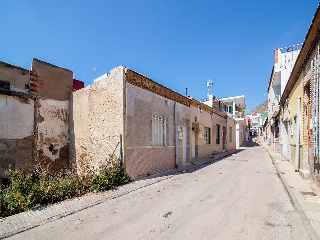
x,y
206,135
159,131
230,134
218,134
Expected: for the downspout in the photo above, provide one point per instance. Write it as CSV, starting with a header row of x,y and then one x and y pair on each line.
x,y
198,114
176,134
298,136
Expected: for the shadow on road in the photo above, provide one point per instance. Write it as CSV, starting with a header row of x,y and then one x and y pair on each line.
x,y
252,143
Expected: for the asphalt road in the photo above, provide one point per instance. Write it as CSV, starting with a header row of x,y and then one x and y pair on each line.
x,y
239,197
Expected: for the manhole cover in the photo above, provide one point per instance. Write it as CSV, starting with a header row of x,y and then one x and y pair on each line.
x,y
309,193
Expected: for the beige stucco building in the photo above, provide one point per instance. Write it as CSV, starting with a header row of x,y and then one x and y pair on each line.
x,y
153,121
161,129
46,125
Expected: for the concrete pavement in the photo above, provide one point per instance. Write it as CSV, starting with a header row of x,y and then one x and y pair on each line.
x,y
237,197
304,195
12,225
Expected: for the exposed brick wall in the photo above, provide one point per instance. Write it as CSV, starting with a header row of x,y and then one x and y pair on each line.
x,y
276,56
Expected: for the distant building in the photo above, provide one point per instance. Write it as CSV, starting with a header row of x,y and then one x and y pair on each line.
x,y
235,107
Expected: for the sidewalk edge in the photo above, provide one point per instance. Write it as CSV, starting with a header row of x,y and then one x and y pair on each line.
x,y
305,220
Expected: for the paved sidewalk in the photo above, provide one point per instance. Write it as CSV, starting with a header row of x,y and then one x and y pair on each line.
x,y
304,195
23,221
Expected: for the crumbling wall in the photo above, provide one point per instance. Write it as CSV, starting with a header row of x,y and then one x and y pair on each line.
x,y
51,86
16,133
16,119
97,121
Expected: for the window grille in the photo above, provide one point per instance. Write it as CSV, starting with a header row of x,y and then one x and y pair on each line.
x,y
206,135
159,131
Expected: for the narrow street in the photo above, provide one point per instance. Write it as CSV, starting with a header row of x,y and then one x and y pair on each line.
x,y
238,197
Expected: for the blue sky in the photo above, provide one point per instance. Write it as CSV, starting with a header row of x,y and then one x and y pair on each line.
x,y
178,43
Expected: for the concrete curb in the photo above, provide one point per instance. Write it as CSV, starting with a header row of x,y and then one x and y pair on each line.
x,y
21,222
305,220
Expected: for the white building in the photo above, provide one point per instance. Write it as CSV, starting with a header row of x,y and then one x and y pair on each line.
x,y
255,121
235,107
284,60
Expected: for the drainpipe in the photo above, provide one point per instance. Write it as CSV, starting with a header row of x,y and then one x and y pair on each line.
x,y
297,136
176,134
198,114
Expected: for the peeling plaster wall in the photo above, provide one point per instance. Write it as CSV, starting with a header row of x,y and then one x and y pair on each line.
x,y
141,157
16,120
16,133
51,86
52,120
97,121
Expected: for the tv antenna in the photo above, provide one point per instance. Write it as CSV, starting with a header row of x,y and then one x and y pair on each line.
x,y
94,70
209,84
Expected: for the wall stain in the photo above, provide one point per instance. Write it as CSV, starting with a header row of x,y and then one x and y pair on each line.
x,y
23,100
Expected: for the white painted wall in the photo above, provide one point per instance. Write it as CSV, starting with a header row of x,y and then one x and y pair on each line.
x,y
237,135
287,62
16,117
273,99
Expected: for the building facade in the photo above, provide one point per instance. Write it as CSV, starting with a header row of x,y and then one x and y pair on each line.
x,y
284,60
161,129
235,108
34,105
300,106
123,114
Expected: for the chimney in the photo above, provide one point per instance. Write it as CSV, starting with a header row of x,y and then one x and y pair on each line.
x,y
276,56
